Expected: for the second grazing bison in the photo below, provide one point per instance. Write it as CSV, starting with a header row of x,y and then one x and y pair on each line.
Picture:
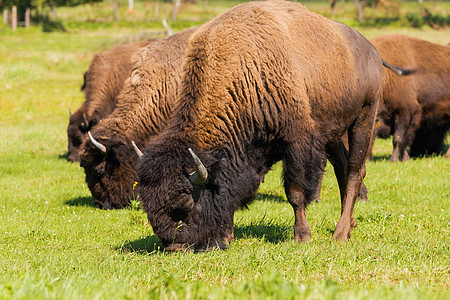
x,y
263,82
418,100
144,107
102,83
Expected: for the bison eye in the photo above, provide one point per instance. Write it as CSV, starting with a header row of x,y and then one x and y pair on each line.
x,y
100,171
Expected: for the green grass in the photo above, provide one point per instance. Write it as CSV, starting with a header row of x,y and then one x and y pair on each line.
x,y
54,243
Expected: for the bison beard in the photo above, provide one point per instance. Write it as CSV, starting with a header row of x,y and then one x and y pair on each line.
x,y
102,83
144,107
265,81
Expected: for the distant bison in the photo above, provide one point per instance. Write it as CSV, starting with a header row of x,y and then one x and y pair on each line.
x,y
265,81
102,83
434,126
144,107
418,100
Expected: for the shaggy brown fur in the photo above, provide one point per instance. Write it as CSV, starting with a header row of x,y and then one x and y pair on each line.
x,y
143,109
405,99
102,83
265,81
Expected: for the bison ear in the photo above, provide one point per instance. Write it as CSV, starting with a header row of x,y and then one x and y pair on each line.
x,y
85,123
198,178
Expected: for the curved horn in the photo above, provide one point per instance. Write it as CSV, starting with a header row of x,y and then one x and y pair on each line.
x,y
97,144
198,178
70,112
136,149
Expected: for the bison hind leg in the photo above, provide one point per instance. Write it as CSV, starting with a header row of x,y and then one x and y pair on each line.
x,y
351,172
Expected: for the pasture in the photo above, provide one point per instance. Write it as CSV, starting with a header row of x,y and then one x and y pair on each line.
x,y
54,242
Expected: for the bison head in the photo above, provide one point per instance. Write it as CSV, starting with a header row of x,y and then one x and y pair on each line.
x,y
191,206
79,125
109,163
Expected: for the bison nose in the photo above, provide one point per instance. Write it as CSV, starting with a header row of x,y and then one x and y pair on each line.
x,y
106,205
103,204
73,157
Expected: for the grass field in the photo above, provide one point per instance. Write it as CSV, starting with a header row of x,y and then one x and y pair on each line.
x,y
54,243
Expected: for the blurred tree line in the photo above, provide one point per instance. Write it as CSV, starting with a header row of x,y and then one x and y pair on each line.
x,y
39,5
365,11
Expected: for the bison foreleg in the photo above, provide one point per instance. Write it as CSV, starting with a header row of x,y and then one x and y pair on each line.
x,y
302,231
303,173
229,233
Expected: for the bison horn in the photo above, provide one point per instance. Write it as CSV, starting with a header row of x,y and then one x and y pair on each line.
x,y
198,178
136,149
70,112
97,144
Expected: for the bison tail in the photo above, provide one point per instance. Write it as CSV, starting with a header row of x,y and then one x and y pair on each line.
x,y
399,70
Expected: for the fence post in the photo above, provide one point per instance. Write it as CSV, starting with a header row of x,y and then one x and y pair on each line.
x,y
14,18
176,7
53,13
169,31
116,12
156,9
5,16
27,17
130,4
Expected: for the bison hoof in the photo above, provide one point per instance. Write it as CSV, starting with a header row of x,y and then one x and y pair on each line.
x,y
302,235
229,238
393,159
302,239
342,234
353,223
176,247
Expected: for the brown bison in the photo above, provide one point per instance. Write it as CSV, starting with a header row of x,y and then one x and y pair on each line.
x,y
430,136
418,100
144,107
102,83
263,82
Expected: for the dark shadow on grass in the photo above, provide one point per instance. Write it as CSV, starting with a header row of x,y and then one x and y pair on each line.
x,y
152,245
271,233
148,245
63,156
269,197
81,201
376,158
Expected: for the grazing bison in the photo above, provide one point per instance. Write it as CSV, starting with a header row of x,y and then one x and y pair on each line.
x,y
416,100
102,83
430,136
263,82
143,108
